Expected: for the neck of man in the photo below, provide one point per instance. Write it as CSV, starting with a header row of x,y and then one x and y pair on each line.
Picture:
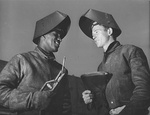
x,y
105,47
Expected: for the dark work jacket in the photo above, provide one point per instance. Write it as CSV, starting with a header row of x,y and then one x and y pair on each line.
x,y
130,82
21,81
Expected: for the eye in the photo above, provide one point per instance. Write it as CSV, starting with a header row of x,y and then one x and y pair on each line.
x,y
95,31
55,34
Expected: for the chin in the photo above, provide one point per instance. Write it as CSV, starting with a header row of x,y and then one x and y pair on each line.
x,y
99,46
55,50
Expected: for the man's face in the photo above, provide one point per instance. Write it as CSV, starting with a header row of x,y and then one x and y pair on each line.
x,y
52,41
100,35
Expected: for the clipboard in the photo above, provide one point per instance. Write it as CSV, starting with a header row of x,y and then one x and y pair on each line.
x,y
96,81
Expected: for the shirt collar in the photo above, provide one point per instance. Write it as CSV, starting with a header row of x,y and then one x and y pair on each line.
x,y
112,47
44,54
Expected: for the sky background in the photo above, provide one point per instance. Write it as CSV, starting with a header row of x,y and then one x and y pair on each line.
x,y
18,18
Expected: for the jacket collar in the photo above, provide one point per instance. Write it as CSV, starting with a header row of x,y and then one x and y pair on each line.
x,y
44,54
112,47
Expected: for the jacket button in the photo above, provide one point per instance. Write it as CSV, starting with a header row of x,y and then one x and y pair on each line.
x,y
111,102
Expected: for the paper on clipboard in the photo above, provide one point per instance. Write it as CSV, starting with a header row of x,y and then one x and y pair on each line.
x,y
53,83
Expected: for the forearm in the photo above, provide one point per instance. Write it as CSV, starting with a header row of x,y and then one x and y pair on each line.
x,y
140,100
19,100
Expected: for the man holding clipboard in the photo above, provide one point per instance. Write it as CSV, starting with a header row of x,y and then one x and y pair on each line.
x,y
128,90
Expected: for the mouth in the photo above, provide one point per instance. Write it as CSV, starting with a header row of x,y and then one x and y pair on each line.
x,y
95,40
57,43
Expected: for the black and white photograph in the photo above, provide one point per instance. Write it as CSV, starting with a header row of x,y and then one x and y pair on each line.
x,y
74,57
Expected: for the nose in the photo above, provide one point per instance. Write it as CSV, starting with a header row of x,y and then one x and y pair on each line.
x,y
93,37
59,39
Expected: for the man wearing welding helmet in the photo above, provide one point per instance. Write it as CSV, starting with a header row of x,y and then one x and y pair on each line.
x,y
128,91
24,75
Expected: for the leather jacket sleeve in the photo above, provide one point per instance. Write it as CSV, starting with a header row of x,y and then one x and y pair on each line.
x,y
140,100
11,96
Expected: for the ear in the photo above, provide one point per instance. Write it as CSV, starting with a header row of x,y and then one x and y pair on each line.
x,y
110,31
42,38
